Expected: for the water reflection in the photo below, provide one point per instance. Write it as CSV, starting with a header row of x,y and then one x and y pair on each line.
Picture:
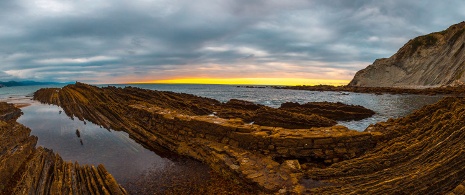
x,y
88,143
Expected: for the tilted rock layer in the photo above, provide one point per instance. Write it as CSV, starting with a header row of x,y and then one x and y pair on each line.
x,y
433,60
422,153
263,156
25,169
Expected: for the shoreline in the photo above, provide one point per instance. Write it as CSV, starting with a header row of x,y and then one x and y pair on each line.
x,y
20,101
459,90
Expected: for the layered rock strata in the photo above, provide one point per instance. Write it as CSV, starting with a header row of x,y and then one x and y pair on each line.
x,y
264,156
433,60
25,169
422,153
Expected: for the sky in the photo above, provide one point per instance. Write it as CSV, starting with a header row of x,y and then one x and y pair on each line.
x,y
122,41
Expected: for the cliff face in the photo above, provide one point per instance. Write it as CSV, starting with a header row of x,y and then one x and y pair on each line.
x,y
433,60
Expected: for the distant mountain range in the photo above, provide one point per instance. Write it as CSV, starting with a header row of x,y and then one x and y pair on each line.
x,y
26,83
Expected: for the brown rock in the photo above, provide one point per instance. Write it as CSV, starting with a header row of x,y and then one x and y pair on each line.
x,y
334,111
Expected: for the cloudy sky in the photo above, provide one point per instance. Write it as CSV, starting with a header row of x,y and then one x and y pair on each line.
x,y
118,41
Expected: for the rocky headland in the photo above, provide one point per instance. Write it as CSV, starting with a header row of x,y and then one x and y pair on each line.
x,y
419,153
270,157
433,60
25,169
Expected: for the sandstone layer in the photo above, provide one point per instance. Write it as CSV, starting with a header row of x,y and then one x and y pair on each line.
x,y
433,60
25,169
266,157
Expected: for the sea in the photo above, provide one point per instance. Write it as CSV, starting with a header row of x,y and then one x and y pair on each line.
x,y
96,145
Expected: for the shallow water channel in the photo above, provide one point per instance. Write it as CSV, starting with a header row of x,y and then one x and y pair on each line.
x,y
88,143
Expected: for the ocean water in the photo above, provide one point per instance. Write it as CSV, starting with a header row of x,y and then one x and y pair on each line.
x,y
386,106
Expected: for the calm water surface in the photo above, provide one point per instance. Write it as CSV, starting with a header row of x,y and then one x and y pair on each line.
x,y
122,156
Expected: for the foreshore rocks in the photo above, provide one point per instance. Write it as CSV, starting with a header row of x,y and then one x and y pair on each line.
x,y
266,116
264,157
335,111
25,169
421,153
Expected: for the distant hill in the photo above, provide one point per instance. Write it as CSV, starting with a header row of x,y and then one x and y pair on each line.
x,y
433,60
25,83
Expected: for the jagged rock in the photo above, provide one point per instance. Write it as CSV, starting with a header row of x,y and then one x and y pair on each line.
x,y
25,169
334,111
432,60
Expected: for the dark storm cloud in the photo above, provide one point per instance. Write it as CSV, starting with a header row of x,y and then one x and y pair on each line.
x,y
121,41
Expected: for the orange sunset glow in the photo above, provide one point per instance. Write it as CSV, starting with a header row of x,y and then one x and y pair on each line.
x,y
250,81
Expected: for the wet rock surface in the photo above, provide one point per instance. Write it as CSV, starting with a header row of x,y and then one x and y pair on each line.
x,y
262,157
25,169
335,111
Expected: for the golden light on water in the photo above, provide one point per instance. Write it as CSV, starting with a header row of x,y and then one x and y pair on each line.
x,y
250,81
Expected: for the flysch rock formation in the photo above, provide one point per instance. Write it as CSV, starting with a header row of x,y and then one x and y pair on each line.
x,y
25,169
422,153
272,159
433,60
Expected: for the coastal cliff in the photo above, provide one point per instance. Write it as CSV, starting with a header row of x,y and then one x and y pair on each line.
x,y
433,60
25,169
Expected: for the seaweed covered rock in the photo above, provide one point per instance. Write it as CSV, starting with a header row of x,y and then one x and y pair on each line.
x,y
291,120
336,111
